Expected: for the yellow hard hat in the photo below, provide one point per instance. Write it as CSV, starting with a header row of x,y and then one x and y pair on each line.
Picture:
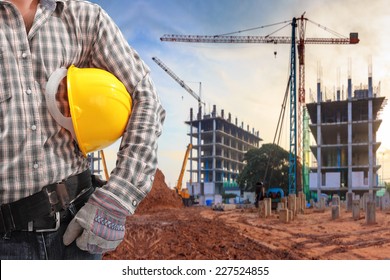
x,y
100,106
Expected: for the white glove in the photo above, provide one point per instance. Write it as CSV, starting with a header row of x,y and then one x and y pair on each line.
x,y
99,226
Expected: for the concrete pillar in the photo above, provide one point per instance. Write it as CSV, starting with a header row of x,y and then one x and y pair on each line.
x,y
299,205
268,206
283,215
284,201
335,212
350,142
303,196
280,207
290,215
319,138
265,208
365,198
335,200
349,201
370,213
292,203
322,203
356,209
302,203
262,209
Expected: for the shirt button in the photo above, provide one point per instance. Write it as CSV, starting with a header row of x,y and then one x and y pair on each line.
x,y
28,92
33,127
35,165
134,203
24,55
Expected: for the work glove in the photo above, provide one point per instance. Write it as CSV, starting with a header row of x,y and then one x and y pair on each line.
x,y
99,226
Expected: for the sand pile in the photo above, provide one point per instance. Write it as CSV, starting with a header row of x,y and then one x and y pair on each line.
x,y
160,197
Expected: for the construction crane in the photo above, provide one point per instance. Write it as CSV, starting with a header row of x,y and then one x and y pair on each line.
x,y
200,102
180,81
188,199
299,44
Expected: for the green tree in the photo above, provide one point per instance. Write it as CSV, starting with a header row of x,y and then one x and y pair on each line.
x,y
256,165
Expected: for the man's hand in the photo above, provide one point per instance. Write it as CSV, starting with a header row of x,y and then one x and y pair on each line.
x,y
99,226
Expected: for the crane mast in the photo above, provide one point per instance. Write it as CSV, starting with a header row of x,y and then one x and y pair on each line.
x,y
295,176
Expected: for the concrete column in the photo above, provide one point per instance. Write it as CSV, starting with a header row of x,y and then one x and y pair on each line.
x,y
335,200
335,207
280,207
283,215
199,148
262,209
322,203
290,215
265,208
319,139
214,151
191,141
349,201
370,139
370,213
268,206
298,205
292,203
349,206
335,212
284,201
303,202
356,209
365,198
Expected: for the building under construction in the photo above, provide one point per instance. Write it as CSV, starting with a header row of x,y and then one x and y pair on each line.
x,y
344,127
219,145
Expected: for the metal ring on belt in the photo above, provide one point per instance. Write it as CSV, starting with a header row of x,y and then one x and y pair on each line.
x,y
43,210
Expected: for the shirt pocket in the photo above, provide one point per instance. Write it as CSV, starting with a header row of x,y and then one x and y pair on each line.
x,y
5,90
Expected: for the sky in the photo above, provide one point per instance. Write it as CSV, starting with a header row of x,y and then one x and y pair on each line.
x,y
249,80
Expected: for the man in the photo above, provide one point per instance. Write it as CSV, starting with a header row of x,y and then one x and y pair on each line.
x,y
44,178
259,192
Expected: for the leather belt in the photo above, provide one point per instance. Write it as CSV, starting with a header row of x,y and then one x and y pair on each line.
x,y
44,210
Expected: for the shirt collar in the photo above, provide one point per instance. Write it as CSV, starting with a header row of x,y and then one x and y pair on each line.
x,y
48,4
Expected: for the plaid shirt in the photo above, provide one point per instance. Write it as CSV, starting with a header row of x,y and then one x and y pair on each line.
x,y
34,150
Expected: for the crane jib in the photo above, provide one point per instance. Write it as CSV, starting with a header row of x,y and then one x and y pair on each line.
x,y
353,39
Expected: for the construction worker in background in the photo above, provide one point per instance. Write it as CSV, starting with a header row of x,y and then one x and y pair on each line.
x,y
259,192
50,208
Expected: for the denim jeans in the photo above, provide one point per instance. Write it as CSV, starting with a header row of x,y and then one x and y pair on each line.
x,y
24,245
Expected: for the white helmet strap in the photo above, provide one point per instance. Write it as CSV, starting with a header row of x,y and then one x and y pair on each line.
x,y
51,102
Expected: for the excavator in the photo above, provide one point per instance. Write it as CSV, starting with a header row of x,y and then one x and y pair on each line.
x,y
188,200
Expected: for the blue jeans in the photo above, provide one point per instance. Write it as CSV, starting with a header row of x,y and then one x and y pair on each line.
x,y
24,245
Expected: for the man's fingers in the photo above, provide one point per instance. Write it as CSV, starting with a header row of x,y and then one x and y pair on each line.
x,y
72,232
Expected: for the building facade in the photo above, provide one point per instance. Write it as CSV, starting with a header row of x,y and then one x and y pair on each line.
x,y
219,145
344,130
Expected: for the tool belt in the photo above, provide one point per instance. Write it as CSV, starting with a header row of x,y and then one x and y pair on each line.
x,y
45,210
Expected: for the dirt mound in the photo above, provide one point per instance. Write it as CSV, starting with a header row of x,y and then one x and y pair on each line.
x,y
160,197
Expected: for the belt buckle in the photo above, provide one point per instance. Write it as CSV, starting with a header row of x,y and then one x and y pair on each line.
x,y
57,226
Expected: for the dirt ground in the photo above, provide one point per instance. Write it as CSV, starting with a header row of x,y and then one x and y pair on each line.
x,y
162,229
